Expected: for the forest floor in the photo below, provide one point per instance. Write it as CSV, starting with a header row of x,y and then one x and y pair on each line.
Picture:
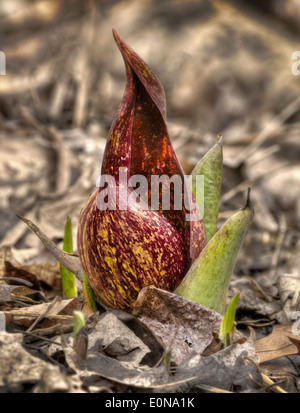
x,y
227,69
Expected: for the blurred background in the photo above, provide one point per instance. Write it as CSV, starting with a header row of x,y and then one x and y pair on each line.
x,y
226,67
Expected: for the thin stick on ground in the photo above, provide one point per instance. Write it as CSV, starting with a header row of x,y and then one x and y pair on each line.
x,y
51,305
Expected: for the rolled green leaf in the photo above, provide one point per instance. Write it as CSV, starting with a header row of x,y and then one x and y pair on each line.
x,y
210,166
68,279
227,325
79,322
208,279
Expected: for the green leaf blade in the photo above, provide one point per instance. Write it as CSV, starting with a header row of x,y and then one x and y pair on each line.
x,y
210,166
208,279
79,322
69,284
227,325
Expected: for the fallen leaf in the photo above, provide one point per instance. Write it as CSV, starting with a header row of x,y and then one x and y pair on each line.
x,y
19,368
283,370
110,333
225,370
15,272
184,326
152,342
281,342
26,316
23,293
112,369
47,274
116,353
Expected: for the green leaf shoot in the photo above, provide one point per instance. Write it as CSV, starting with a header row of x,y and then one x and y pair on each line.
x,y
68,279
227,326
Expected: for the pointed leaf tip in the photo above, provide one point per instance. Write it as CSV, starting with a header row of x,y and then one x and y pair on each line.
x,y
72,263
249,203
220,139
144,74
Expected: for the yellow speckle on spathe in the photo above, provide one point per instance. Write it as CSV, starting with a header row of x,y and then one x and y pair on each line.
x,y
120,289
142,253
111,262
128,269
136,289
104,234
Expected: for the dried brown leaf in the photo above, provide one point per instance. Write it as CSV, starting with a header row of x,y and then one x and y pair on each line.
x,y
186,327
47,274
111,369
27,295
15,272
109,331
18,368
225,369
154,356
281,342
26,316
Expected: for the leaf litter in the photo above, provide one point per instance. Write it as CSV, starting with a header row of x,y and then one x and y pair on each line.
x,y
121,348
127,350
270,256
114,351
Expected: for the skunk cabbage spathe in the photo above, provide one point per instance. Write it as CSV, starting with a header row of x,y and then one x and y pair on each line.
x,y
124,248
